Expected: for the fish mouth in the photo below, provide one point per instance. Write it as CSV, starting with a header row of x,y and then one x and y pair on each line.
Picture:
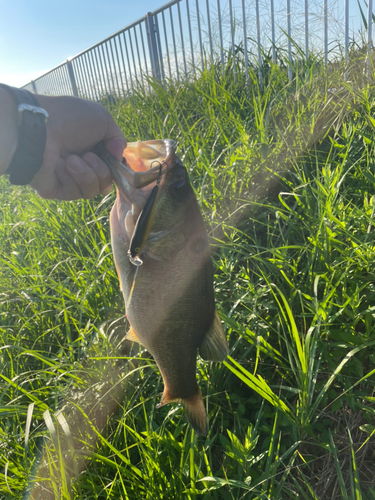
x,y
144,164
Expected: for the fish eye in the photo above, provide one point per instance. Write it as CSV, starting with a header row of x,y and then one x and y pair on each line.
x,y
179,188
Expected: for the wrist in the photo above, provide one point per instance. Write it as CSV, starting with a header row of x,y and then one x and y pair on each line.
x,y
8,129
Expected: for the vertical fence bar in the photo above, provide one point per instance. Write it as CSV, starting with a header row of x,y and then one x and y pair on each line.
x,y
139,59
108,72
174,45
98,83
209,28
369,36
64,79
56,83
46,89
90,77
369,25
307,28
123,65
110,69
61,84
83,83
87,89
346,30
72,78
166,45
182,40
199,32
34,86
54,87
190,35
77,77
100,73
325,28
144,51
152,46
47,79
273,31
127,57
38,85
221,33
105,75
114,66
258,42
94,79
119,67
133,58
67,80
159,48
232,34
289,31
44,83
84,75
245,41
52,84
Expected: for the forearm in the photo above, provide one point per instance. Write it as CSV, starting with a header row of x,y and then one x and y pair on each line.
x,y
8,129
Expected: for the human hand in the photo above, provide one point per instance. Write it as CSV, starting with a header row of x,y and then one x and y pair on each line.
x,y
69,170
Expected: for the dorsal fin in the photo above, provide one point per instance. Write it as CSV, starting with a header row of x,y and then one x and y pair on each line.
x,y
214,346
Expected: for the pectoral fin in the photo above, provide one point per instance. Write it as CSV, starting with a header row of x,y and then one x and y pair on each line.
x,y
214,346
132,336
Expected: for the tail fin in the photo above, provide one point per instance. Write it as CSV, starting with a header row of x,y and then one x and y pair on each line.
x,y
196,413
194,410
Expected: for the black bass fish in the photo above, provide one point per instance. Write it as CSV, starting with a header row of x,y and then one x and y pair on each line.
x,y
163,261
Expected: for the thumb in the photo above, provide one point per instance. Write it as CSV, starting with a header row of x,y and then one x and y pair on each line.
x,y
116,146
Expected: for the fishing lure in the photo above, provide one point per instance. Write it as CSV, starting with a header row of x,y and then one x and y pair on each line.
x,y
143,225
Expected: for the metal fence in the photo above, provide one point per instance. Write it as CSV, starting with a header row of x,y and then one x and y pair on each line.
x,y
178,39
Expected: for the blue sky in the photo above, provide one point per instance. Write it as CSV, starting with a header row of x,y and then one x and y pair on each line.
x,y
36,35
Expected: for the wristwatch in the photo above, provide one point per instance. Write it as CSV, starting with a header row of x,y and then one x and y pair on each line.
x,y
28,157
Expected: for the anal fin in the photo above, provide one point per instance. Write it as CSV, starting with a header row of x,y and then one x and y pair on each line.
x,y
214,346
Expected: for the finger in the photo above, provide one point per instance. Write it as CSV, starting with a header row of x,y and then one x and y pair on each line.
x,y
116,146
84,177
101,171
67,189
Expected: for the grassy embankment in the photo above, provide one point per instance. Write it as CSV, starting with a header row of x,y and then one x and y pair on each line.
x,y
290,212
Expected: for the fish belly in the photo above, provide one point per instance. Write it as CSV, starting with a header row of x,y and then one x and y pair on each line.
x,y
170,309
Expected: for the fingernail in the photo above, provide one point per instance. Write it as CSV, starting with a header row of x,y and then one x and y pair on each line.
x,y
75,165
116,147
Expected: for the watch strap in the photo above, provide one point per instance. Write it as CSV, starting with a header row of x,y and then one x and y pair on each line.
x,y
28,157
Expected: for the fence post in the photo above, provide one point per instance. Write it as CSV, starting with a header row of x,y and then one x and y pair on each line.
x,y
152,45
33,86
72,77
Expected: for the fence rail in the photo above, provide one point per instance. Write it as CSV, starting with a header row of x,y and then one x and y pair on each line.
x,y
175,40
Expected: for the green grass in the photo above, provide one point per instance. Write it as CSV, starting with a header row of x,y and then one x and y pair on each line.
x,y
285,177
